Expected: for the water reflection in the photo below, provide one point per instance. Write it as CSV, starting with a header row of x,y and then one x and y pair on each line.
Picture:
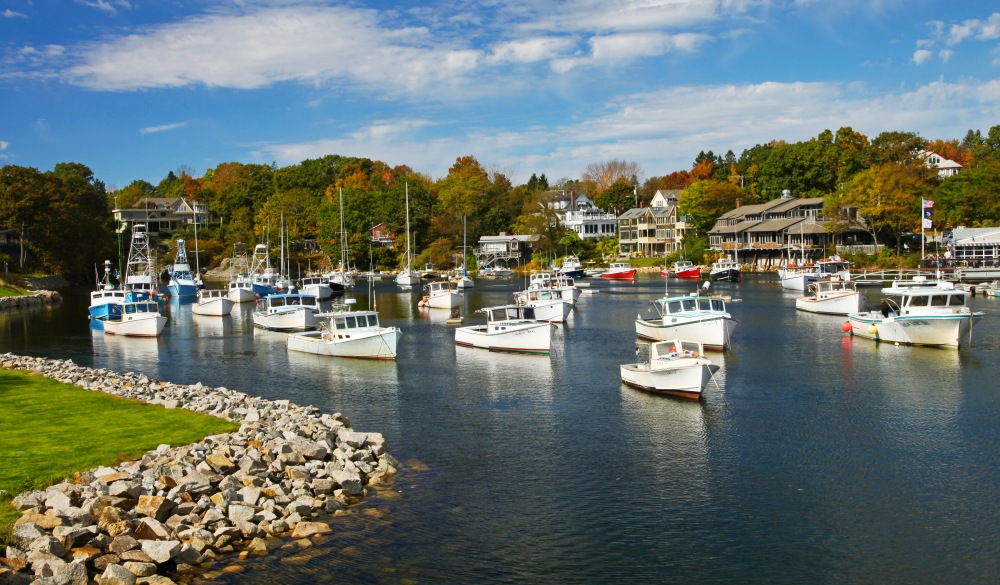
x,y
136,354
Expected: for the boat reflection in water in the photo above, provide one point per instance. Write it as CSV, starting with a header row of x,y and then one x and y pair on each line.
x,y
129,354
503,373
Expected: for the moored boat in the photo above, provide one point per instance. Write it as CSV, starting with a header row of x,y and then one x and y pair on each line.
x,y
511,328
138,319
213,302
832,296
676,367
287,312
549,305
725,270
683,269
240,287
182,282
694,317
918,312
619,271
571,266
441,294
106,299
348,333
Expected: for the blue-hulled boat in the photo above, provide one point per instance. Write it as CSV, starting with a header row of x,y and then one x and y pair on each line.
x,y
182,280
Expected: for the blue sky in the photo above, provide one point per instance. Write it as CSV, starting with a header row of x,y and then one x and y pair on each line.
x,y
135,89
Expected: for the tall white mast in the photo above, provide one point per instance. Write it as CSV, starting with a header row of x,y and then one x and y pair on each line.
x,y
409,252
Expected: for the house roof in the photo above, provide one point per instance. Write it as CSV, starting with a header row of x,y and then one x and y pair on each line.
x,y
733,229
789,204
775,225
971,236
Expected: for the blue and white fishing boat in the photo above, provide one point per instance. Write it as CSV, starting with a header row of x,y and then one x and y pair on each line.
x,y
106,299
240,287
263,278
182,281
571,267
138,319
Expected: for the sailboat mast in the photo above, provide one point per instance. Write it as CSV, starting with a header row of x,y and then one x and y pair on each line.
x,y
409,252
197,268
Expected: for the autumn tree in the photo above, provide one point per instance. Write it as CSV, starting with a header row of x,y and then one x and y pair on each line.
x,y
619,196
969,198
888,198
702,202
605,174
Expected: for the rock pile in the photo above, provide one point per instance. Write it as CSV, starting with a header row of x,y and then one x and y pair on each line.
x,y
37,299
181,507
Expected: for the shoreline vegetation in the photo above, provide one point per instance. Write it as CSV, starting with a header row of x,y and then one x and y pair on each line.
x,y
276,469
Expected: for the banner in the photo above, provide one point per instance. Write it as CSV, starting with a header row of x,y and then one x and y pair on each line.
x,y
927,224
928,203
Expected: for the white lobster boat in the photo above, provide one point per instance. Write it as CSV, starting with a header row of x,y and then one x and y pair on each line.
x,y
348,333
441,295
508,328
138,319
213,303
675,367
287,312
694,317
918,312
549,305
832,296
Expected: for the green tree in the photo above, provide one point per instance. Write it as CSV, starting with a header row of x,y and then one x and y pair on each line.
x,y
969,198
620,195
704,201
888,198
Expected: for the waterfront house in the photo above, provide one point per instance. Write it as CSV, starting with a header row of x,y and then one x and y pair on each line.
x,y
503,250
945,167
656,230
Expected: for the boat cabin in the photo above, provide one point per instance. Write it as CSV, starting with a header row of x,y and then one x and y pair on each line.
x,y
130,309
206,294
943,298
509,313
280,302
690,304
675,348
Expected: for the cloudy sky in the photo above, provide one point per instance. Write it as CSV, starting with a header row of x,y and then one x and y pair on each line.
x,y
134,89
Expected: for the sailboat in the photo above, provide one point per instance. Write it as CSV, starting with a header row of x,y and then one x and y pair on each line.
x,y
341,279
407,277
463,280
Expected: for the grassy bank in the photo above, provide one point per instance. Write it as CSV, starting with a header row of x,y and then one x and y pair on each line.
x,y
9,291
50,430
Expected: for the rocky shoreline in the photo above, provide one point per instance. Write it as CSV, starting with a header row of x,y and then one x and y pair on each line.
x,y
36,299
173,512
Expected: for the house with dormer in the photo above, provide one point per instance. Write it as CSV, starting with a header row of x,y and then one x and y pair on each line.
x,y
656,230
945,167
164,214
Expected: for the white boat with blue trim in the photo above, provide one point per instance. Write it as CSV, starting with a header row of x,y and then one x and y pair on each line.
x,y
694,317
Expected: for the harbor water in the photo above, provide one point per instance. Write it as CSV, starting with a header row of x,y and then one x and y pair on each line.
x,y
813,457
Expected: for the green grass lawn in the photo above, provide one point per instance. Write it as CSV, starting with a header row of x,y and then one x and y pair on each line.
x,y
9,291
49,430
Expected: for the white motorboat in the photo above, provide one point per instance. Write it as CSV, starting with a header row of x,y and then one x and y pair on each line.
x,y
140,270
694,317
213,302
675,367
798,276
287,312
138,319
565,285
832,296
462,280
348,333
317,286
549,305
918,312
240,287
508,328
441,294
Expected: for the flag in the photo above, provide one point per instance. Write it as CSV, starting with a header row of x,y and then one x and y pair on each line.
x,y
927,224
928,213
928,203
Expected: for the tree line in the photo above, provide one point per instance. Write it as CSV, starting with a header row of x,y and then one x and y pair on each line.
x,y
62,221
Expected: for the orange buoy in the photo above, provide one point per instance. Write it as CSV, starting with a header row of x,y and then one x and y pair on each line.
x,y
845,326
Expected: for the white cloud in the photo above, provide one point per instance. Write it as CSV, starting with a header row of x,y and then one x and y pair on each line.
x,y
306,44
162,128
530,50
4,144
629,46
626,15
945,55
8,13
665,130
109,6
921,56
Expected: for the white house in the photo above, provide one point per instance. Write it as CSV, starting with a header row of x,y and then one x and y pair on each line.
x,y
945,167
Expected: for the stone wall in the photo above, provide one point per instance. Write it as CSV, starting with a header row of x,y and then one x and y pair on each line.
x,y
38,299
177,509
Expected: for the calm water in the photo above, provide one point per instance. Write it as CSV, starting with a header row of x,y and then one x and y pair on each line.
x,y
820,459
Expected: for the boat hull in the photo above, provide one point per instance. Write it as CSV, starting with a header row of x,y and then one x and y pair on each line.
x,y
619,275
293,319
449,300
242,294
839,305
141,325
683,378
712,331
374,345
728,275
799,282
521,338
407,278
215,307
928,330
552,311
